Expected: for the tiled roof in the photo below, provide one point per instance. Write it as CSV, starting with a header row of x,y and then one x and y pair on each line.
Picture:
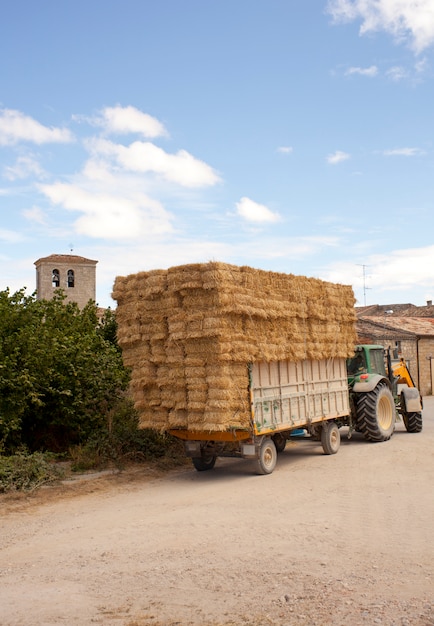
x,y
64,258
380,309
421,327
419,311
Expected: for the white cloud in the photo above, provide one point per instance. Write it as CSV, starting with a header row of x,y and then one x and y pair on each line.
x,y
399,270
406,20
397,73
337,157
35,214
107,214
180,168
24,167
363,71
115,194
285,149
10,236
98,170
16,127
251,211
404,152
124,120
421,65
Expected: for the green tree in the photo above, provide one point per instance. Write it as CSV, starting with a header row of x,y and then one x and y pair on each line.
x,y
61,371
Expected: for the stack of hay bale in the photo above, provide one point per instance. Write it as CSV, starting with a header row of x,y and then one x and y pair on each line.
x,y
189,332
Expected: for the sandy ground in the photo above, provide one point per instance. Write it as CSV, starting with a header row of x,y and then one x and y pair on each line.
x,y
345,540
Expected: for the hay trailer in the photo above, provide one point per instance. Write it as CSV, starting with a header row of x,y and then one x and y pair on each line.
x,y
284,397
189,333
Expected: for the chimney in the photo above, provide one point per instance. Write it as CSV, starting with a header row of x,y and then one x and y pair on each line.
x,y
429,302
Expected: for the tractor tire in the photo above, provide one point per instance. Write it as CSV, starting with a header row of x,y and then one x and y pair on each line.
x,y
204,463
412,422
267,458
376,414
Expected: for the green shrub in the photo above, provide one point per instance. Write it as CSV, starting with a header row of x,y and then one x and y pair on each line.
x,y
61,372
25,472
121,442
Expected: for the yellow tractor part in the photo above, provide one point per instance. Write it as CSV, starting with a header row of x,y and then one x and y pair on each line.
x,y
400,371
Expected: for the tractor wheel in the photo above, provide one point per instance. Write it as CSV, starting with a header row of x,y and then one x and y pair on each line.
x,y
330,437
204,463
412,422
376,414
279,442
267,457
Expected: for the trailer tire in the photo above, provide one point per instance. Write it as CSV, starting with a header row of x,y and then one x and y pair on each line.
x,y
330,437
376,414
279,442
267,458
412,422
204,463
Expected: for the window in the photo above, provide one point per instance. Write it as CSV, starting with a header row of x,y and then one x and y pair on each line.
x,y
397,350
55,278
377,361
70,280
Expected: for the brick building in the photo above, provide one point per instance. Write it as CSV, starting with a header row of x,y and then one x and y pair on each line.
x,y
75,275
409,331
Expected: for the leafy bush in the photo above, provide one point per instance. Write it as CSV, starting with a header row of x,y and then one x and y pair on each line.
x,y
24,472
121,442
61,371
63,388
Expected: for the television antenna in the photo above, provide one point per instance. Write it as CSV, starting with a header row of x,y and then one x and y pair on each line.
x,y
364,282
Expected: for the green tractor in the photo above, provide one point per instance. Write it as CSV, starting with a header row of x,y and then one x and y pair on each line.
x,y
378,390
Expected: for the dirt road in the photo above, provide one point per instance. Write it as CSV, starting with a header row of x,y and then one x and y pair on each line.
x,y
343,539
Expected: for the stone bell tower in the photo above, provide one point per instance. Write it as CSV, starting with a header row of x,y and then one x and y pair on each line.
x,y
74,274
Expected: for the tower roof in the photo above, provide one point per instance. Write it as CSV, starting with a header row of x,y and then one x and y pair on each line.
x,y
64,258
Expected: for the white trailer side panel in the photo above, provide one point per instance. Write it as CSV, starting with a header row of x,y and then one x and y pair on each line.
x,y
287,395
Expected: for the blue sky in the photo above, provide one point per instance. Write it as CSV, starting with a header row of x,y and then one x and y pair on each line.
x,y
293,136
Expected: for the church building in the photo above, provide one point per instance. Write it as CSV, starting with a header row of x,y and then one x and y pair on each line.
x,y
75,275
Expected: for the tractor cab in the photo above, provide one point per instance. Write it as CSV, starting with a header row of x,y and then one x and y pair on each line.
x,y
368,361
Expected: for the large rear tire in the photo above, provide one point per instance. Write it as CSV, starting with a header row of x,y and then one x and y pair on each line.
x,y
376,414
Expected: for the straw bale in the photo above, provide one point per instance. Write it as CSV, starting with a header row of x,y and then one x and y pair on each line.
x,y
172,374
135,354
195,371
178,418
158,351
142,381
155,418
172,399
188,333
217,421
197,385
195,360
174,353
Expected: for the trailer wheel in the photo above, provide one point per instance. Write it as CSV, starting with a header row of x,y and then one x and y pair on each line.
x,y
376,414
204,463
412,422
279,442
330,437
267,458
